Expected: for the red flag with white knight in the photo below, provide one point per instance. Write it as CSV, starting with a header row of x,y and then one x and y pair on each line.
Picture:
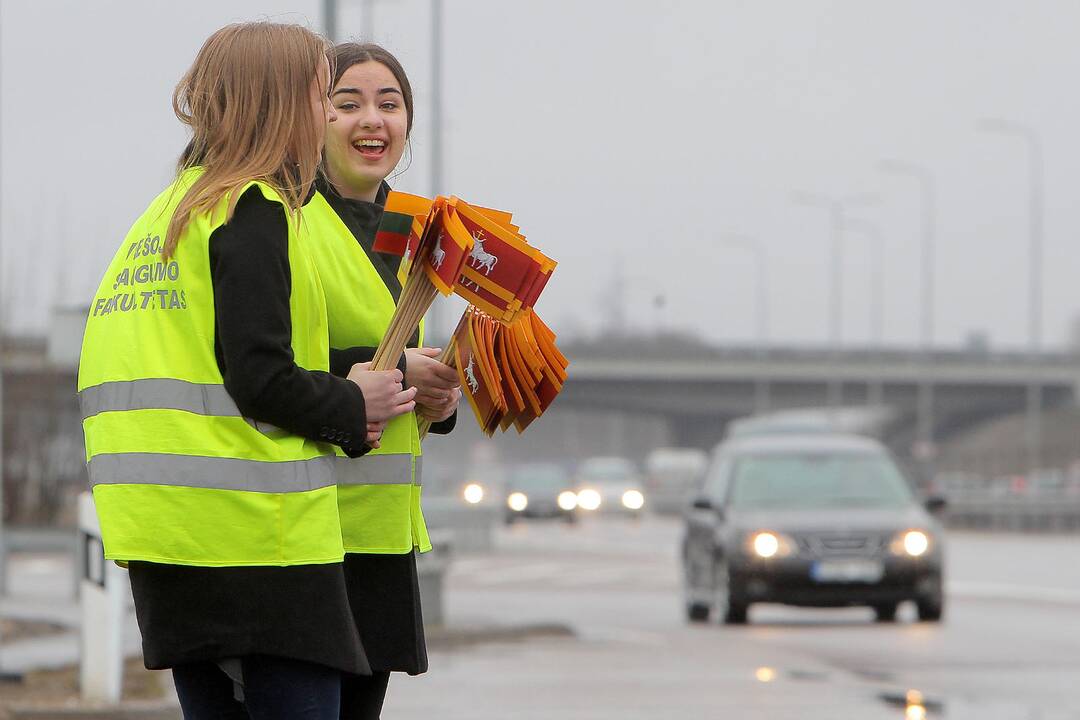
x,y
449,248
474,382
502,273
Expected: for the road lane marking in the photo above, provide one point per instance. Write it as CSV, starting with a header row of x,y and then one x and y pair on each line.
x,y
506,576
596,576
1005,591
626,636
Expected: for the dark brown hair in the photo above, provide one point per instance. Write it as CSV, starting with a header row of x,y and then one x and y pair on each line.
x,y
344,56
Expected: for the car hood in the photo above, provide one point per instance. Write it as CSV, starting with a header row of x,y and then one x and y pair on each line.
x,y
831,519
610,489
541,494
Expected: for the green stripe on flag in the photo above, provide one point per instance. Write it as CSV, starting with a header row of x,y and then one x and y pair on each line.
x,y
395,223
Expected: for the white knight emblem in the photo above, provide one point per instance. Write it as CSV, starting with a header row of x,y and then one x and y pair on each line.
x,y
437,253
470,375
484,260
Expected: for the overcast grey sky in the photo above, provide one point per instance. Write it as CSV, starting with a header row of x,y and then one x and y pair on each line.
x,y
631,130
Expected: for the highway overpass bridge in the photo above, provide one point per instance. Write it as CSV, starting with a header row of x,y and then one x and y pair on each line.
x,y
697,391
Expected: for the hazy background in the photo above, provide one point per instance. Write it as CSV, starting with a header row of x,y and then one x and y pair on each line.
x,y
622,135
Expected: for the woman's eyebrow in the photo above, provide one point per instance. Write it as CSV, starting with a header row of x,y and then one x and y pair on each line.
x,y
347,90
388,90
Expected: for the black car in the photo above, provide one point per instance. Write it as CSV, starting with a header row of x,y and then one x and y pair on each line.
x,y
540,490
822,520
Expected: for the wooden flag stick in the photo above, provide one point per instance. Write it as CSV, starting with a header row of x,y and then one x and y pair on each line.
x,y
416,297
446,358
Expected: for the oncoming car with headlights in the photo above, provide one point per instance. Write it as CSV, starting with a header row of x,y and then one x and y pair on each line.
x,y
610,485
540,490
822,520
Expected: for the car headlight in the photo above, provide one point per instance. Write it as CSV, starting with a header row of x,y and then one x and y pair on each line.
x,y
473,493
568,500
766,544
588,499
912,543
633,500
518,501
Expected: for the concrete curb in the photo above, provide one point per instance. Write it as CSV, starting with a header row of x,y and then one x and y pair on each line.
x,y
449,638
157,710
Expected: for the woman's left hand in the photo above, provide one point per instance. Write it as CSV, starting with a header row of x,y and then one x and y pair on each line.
x,y
437,385
442,409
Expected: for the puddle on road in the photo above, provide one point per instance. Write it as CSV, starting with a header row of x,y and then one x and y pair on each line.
x,y
913,705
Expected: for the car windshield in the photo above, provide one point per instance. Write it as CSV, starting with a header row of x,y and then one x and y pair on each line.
x,y
539,477
818,480
605,471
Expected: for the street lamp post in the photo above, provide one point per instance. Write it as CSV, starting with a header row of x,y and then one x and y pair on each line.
x,y
924,403
836,207
875,389
435,314
1031,139
762,390
330,17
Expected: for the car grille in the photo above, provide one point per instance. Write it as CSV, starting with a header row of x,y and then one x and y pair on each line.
x,y
852,544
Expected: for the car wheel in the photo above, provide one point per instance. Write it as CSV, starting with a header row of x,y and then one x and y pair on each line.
x,y
930,607
697,612
885,612
730,609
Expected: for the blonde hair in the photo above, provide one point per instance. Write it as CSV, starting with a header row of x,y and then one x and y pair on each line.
x,y
247,100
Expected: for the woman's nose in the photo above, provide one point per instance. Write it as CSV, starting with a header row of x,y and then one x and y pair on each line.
x,y
371,119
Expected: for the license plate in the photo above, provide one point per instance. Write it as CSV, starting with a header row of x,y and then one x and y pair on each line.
x,y
867,571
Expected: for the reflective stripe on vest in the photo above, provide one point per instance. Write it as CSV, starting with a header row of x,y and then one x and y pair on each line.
x,y
213,473
165,394
387,469
157,394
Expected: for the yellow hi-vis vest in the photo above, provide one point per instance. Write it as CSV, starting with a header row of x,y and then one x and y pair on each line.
x,y
178,475
379,493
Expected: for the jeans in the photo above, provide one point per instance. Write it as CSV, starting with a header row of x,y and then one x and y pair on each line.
x,y
273,688
362,695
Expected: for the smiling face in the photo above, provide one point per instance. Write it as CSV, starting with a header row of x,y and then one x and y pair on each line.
x,y
366,142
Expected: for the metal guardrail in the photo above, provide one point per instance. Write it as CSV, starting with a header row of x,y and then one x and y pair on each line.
x,y
431,568
471,526
1015,514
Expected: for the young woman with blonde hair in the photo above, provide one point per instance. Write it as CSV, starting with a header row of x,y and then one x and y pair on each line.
x,y
209,409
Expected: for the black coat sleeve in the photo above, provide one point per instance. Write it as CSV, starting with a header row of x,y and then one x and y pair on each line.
x,y
444,427
250,271
342,360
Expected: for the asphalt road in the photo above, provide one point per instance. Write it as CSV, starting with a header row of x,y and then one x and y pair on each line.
x,y
1008,648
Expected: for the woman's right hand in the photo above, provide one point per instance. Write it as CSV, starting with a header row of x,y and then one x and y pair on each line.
x,y
374,434
383,397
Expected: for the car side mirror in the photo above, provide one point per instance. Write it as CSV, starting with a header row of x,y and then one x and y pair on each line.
x,y
935,504
702,503
705,503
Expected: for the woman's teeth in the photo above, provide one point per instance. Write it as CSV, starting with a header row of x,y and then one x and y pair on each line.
x,y
376,144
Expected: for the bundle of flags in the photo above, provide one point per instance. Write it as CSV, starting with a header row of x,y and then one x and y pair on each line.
x,y
449,246
510,372
509,366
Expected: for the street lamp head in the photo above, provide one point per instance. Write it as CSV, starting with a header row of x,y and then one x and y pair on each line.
x,y
1004,127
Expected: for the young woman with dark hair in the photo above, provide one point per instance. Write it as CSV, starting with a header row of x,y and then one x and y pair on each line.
x,y
378,495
